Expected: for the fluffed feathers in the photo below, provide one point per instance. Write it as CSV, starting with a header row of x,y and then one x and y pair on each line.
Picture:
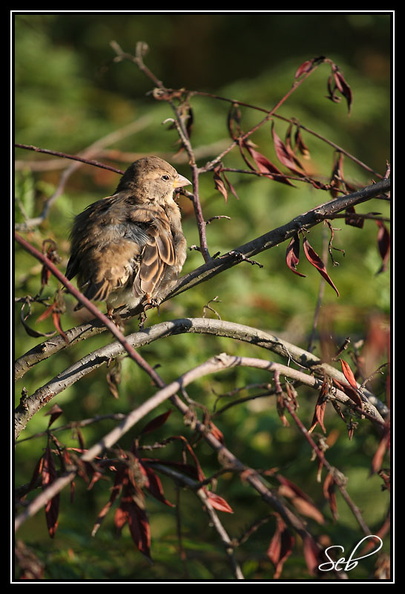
x,y
129,248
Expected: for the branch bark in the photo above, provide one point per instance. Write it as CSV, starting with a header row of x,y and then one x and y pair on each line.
x,y
207,270
291,353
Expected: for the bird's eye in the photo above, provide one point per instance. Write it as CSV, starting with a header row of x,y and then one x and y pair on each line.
x,y
165,177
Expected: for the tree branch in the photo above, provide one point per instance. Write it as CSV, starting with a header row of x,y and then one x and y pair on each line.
x,y
205,271
30,405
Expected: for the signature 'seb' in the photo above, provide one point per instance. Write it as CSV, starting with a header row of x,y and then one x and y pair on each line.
x,y
344,564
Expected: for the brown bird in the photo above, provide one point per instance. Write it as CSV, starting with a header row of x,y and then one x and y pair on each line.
x,y
129,248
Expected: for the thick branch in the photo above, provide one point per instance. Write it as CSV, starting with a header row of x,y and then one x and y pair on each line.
x,y
291,353
279,235
210,269
226,457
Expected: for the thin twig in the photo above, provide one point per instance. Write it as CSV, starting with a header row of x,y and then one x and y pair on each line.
x,y
209,270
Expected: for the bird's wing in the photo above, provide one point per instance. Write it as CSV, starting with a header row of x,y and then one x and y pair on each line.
x,y
157,254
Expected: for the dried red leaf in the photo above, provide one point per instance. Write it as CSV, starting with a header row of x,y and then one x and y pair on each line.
x,y
285,155
121,478
353,219
234,121
49,249
222,184
54,311
216,432
280,547
342,86
57,323
383,446
156,422
129,512
348,373
383,242
319,414
308,65
48,476
316,261
312,554
336,180
329,491
218,502
155,486
349,391
301,501
264,165
55,412
300,144
292,256
304,68
336,81
281,408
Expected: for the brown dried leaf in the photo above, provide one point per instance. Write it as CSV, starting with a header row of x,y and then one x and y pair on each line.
x,y
329,491
292,256
311,554
155,486
349,391
218,502
280,547
300,144
54,413
54,310
353,219
131,513
48,476
234,121
336,81
49,249
222,184
319,414
285,155
301,501
342,86
156,422
348,373
383,446
316,261
383,242
308,65
264,165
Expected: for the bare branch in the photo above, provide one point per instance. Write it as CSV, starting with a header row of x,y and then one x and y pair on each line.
x,y
207,270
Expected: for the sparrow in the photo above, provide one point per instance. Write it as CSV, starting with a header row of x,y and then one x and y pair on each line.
x,y
129,248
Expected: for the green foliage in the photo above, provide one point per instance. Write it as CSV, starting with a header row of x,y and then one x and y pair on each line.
x,y
70,93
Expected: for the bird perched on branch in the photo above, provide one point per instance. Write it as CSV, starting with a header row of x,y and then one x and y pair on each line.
x,y
129,248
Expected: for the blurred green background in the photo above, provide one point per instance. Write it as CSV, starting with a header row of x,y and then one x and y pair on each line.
x,y
69,92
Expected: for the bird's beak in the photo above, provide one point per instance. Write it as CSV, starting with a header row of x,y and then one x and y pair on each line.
x,y
181,181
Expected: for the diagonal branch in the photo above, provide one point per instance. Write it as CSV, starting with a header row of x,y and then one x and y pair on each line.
x,y
207,270
279,235
30,405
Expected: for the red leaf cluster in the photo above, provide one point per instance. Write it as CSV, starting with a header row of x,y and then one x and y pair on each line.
x,y
301,501
261,163
134,475
337,82
292,259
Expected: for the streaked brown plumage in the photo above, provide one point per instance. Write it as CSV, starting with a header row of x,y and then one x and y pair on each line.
x,y
129,248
